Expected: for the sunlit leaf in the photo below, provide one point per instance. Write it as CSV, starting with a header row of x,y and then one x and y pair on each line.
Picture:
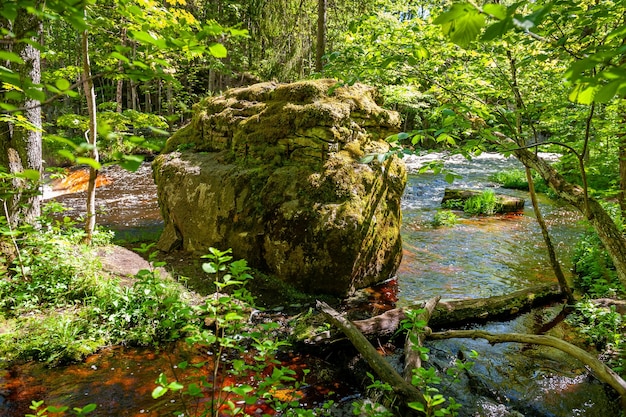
x,y
218,50
607,92
62,84
30,174
158,392
89,161
583,93
496,10
11,56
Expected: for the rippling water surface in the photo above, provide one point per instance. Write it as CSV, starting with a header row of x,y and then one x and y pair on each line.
x,y
480,256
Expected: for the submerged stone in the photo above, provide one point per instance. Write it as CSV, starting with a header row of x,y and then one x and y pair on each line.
x,y
273,171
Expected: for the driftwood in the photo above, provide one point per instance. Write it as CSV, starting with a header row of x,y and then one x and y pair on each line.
x,y
458,311
598,368
403,389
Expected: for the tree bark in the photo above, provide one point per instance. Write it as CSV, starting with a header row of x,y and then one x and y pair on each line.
x,y
621,143
556,266
608,232
90,95
382,368
598,368
415,339
119,88
452,312
21,146
320,48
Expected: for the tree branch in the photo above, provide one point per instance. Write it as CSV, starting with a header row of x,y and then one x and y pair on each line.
x,y
598,368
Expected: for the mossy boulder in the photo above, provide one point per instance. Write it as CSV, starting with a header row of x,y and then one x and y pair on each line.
x,y
273,171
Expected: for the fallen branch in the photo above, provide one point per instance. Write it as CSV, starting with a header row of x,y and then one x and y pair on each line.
x,y
415,338
598,368
457,311
382,368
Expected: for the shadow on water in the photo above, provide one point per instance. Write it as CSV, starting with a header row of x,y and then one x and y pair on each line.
x,y
480,257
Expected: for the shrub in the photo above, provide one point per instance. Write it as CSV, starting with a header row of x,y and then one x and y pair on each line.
x,y
445,218
595,273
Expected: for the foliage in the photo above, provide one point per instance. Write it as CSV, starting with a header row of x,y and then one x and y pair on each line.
x,y
239,352
59,307
42,410
604,328
445,218
595,273
485,203
427,380
516,179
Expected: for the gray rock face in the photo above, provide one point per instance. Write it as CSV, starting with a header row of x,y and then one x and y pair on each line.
x,y
273,171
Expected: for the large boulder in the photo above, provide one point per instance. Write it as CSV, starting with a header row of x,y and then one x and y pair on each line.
x,y
273,171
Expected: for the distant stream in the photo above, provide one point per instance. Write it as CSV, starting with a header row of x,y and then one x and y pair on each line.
x,y
479,257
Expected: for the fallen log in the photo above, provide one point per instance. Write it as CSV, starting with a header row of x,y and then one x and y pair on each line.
x,y
504,203
403,389
451,312
601,371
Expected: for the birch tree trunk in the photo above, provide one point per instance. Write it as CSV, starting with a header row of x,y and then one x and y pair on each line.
x,y
92,134
21,143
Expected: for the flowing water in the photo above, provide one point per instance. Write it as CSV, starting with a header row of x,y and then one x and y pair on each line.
x,y
479,257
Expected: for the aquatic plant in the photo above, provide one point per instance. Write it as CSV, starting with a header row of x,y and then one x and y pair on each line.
x,y
445,218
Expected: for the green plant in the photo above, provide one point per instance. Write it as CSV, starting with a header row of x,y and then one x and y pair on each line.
x,y
445,218
42,410
516,179
485,203
603,327
240,352
595,273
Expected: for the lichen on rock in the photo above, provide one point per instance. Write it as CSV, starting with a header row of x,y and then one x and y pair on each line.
x,y
273,171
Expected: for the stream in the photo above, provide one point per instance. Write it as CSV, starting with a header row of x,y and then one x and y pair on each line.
x,y
479,257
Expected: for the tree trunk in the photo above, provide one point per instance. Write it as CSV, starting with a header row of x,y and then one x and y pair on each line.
x,y
21,146
382,368
320,48
415,339
608,232
556,266
453,312
119,89
90,95
621,143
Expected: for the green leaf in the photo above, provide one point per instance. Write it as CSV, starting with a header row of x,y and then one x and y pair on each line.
x,y
583,93
367,159
30,174
66,154
175,386
89,408
131,162
89,161
218,50
209,268
62,84
496,10
120,57
607,92
462,23
158,392
11,56
147,37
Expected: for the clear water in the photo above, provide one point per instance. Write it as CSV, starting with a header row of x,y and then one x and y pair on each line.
x,y
480,256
